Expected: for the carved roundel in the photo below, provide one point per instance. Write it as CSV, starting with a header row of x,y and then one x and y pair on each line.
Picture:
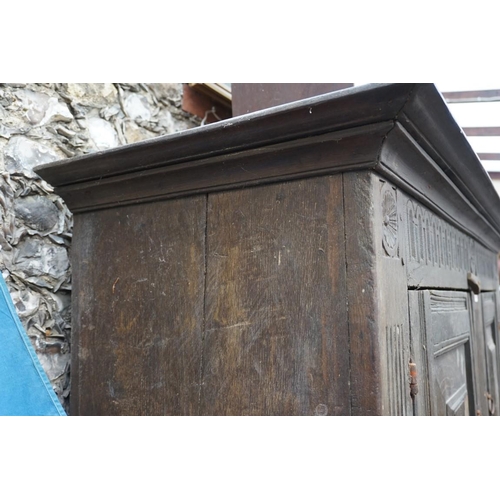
x,y
389,220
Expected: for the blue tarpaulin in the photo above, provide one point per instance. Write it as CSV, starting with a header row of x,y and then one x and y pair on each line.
x,y
24,386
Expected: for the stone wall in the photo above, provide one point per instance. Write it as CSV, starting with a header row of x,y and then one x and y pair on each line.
x,y
40,123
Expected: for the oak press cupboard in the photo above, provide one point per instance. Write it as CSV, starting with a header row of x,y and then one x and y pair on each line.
x,y
332,256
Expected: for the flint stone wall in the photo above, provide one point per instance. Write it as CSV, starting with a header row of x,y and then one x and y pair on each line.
x,y
40,123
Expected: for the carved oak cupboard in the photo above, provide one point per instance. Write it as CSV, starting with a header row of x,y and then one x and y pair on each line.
x,y
333,256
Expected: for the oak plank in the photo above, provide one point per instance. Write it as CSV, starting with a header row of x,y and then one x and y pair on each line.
x,y
276,340
365,362
138,309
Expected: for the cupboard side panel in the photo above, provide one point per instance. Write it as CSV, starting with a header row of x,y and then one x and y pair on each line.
x,y
80,271
276,340
392,298
365,362
138,309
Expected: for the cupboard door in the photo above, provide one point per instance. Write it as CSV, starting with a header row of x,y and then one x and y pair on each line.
x,y
440,336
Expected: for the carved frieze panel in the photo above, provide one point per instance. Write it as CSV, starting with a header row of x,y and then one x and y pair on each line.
x,y
434,244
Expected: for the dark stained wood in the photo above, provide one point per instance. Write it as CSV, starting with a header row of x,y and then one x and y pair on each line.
x,y
438,254
350,149
428,119
313,252
138,309
389,236
440,322
362,291
481,131
472,96
448,351
195,161
249,97
407,166
479,358
419,326
317,115
491,344
276,339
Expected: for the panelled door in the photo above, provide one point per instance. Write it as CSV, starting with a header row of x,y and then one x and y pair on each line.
x,y
440,330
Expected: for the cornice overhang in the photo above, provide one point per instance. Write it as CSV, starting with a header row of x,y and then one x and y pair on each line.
x,y
403,131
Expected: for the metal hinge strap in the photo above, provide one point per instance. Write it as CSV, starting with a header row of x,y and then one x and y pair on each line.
x,y
413,379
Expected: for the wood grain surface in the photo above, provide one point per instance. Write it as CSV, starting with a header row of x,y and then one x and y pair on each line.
x,y
276,339
138,309
268,286
479,356
364,348
389,244
326,153
314,116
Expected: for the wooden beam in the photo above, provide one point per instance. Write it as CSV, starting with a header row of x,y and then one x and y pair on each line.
x,y
217,91
472,96
249,97
203,105
481,131
489,156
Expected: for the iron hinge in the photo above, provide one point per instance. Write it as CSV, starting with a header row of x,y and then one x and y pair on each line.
x,y
413,379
